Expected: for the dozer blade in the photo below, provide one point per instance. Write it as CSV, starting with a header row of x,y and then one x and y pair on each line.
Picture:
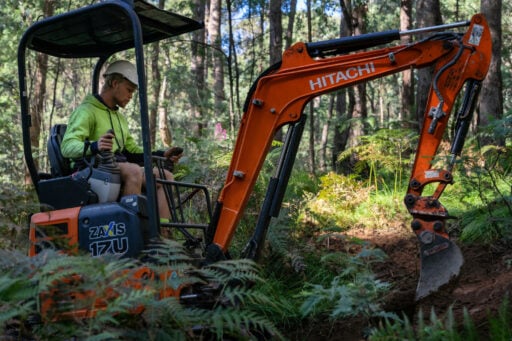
x,y
441,260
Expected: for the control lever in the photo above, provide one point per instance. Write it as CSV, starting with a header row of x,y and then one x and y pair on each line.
x,y
105,179
107,161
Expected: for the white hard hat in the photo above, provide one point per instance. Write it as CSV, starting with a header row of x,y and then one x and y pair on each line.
x,y
124,68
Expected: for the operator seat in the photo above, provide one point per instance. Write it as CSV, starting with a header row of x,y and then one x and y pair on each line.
x,y
59,165
62,190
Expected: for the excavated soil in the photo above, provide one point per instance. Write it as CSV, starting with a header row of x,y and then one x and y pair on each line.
x,y
484,282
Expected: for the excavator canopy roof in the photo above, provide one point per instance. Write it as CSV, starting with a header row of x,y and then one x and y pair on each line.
x,y
99,31
104,28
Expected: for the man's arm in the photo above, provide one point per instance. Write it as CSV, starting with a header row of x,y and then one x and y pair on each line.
x,y
77,132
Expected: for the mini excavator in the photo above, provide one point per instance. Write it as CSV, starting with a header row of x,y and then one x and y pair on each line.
x,y
74,215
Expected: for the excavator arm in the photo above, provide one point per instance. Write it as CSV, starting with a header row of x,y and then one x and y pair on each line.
x,y
280,94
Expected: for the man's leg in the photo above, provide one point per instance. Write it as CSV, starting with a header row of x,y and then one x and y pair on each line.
x,y
163,205
131,177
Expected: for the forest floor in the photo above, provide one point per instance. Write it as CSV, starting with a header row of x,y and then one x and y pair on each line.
x,y
485,280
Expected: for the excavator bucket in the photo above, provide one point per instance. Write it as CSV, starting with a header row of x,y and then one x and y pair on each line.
x,y
441,260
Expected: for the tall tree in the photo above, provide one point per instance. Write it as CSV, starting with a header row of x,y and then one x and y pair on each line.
x,y
158,112
276,39
197,66
341,112
39,92
291,22
162,118
275,31
491,98
428,13
324,138
233,74
312,164
214,24
360,111
407,88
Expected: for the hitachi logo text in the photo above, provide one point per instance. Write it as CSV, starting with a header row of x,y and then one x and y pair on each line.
x,y
340,76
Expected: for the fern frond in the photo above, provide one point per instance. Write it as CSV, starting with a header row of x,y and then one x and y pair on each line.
x,y
240,324
17,263
241,270
104,335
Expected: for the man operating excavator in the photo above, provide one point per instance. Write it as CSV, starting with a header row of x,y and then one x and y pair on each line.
x,y
98,120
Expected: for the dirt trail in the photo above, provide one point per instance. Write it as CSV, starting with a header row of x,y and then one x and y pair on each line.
x,y
484,281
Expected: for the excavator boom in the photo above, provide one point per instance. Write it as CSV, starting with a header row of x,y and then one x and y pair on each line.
x,y
279,96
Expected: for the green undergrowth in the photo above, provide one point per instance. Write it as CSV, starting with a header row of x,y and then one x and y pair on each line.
x,y
313,272
440,328
481,198
309,285
16,205
345,202
480,201
132,307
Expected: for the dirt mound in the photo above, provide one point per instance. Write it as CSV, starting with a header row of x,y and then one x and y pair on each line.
x,y
484,281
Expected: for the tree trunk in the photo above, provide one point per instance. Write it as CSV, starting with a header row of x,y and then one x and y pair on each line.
x,y
197,67
341,112
275,31
407,97
340,139
325,133
39,94
291,22
491,97
360,112
275,41
214,23
163,125
259,61
158,112
234,77
155,91
312,153
427,14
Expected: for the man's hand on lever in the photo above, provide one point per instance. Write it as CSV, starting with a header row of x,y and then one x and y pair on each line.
x,y
173,154
105,142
